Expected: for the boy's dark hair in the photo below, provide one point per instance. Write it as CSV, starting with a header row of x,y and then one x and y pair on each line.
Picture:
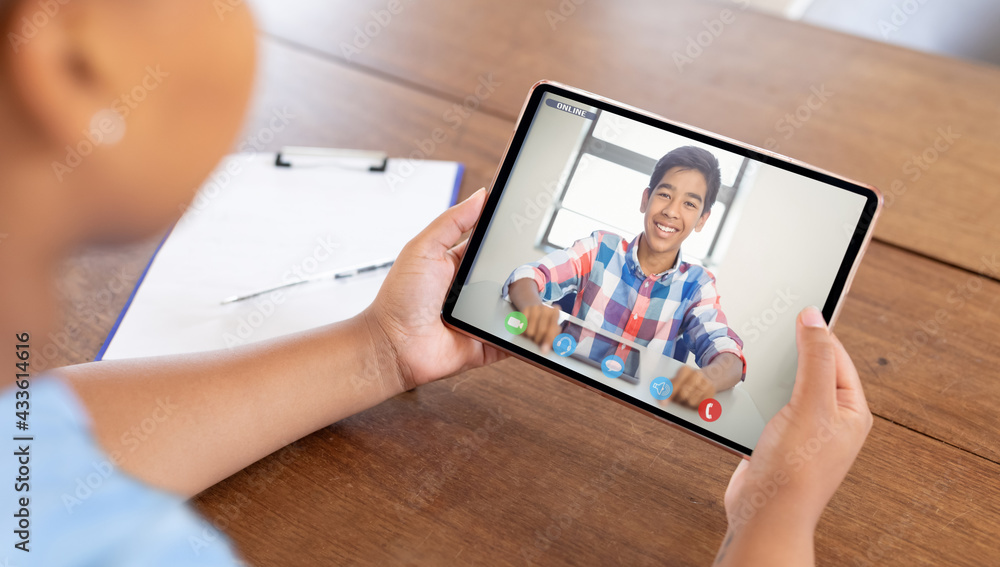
x,y
690,157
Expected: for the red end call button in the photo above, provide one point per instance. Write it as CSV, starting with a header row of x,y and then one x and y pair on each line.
x,y
710,409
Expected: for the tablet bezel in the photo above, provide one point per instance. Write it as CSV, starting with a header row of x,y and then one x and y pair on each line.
x,y
831,309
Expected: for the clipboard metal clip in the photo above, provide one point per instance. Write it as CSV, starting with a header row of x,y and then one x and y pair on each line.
x,y
364,160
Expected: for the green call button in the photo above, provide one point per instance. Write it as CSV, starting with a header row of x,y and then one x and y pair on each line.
x,y
516,323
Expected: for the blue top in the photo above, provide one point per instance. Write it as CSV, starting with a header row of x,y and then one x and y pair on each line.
x,y
82,510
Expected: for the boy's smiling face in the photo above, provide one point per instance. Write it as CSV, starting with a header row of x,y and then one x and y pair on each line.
x,y
673,209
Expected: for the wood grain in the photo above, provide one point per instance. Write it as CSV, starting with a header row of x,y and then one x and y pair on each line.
x,y
93,287
507,464
894,294
925,340
886,105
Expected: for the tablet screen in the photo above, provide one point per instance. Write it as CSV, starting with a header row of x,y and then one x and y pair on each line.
x,y
663,255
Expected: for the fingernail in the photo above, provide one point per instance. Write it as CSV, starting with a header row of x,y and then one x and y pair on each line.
x,y
467,199
812,317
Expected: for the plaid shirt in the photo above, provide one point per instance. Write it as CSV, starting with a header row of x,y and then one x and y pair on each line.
x,y
676,312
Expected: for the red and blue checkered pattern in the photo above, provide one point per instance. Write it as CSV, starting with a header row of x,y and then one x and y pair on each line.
x,y
676,312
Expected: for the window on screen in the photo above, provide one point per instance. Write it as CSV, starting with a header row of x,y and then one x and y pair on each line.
x,y
617,154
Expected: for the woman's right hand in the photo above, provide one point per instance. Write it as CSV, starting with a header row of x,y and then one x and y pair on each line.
x,y
774,500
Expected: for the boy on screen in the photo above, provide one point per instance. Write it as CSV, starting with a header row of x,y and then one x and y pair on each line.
x,y
642,290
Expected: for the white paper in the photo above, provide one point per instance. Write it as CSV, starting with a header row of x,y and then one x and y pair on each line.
x,y
251,227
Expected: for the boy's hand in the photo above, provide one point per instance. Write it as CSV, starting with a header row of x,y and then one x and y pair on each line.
x,y
543,325
691,387
405,318
543,321
804,453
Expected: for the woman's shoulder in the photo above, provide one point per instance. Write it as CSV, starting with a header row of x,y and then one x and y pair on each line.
x,y
93,511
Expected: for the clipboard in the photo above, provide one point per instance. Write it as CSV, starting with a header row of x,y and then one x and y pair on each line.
x,y
265,219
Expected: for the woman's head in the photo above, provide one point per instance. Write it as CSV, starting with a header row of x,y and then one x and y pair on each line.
x,y
114,111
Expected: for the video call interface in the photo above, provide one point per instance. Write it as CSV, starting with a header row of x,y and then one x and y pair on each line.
x,y
659,266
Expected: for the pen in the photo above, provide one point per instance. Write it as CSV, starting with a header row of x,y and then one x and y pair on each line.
x,y
331,275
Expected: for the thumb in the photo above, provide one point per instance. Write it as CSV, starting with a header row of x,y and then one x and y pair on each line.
x,y
449,227
816,379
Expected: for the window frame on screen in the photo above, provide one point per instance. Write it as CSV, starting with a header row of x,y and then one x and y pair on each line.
x,y
640,163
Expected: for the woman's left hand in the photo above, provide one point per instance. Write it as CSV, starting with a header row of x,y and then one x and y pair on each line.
x,y
405,318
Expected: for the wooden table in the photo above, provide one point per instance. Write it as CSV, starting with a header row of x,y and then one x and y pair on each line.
x,y
509,465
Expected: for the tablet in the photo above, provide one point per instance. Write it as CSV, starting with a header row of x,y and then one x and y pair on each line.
x,y
641,257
